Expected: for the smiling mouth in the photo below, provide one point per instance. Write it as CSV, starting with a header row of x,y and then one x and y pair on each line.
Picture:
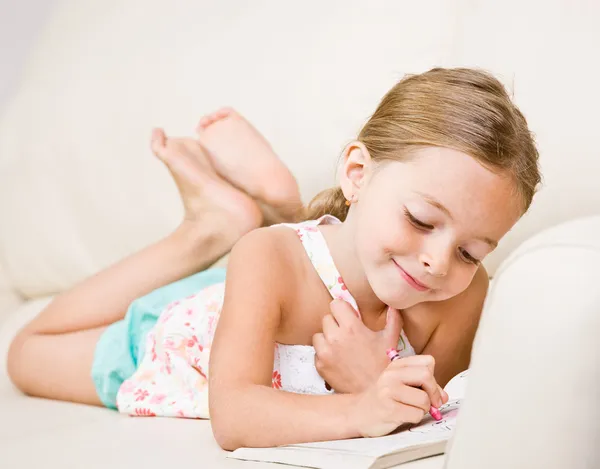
x,y
411,280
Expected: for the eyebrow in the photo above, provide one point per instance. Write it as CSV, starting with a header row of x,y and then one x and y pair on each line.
x,y
437,204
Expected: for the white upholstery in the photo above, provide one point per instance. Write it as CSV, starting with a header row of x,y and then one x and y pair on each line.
x,y
9,299
535,373
80,189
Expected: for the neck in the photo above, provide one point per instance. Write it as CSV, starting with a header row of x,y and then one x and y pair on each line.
x,y
341,242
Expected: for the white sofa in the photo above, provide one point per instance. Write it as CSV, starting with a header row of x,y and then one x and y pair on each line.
x,y
79,189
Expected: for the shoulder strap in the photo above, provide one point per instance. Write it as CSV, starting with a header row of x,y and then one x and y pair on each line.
x,y
318,252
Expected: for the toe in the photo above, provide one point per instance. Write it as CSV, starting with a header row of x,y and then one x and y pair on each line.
x,y
224,112
210,119
158,142
203,123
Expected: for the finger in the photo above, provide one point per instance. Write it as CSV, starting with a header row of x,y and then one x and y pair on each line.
x,y
415,360
393,326
414,397
423,378
330,327
319,343
444,394
407,414
344,313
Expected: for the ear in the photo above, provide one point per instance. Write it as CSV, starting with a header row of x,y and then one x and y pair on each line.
x,y
356,164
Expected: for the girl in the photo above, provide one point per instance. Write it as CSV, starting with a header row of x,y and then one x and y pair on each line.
x,y
438,175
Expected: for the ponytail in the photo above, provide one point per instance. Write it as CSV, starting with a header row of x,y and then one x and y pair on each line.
x,y
328,202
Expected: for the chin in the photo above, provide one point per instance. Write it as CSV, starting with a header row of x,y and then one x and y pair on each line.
x,y
404,303
395,298
392,290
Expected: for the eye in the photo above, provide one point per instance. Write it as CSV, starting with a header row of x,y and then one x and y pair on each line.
x,y
468,257
418,223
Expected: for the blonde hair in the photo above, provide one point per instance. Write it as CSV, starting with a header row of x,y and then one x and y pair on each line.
x,y
463,109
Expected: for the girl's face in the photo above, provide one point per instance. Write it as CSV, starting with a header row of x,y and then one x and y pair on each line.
x,y
422,227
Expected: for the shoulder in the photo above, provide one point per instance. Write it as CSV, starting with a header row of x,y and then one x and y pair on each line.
x,y
266,260
268,243
468,305
458,315
452,339
477,290
269,252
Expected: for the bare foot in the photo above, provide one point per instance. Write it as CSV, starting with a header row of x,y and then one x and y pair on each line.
x,y
207,198
243,156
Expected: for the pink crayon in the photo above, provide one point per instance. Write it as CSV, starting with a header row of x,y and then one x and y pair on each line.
x,y
433,411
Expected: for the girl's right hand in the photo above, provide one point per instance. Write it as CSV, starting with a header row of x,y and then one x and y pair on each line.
x,y
403,393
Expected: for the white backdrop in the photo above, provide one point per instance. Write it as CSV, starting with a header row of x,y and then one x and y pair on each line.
x,y
79,188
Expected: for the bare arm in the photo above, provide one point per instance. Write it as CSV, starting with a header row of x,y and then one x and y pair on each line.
x,y
245,409
452,340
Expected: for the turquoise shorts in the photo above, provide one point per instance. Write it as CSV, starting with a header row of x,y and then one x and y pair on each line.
x,y
121,347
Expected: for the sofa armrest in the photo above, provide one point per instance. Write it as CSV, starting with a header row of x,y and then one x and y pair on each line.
x,y
535,374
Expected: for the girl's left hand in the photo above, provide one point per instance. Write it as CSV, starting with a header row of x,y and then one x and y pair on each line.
x,y
350,356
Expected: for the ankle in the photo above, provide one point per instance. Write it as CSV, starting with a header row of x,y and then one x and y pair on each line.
x,y
205,242
282,192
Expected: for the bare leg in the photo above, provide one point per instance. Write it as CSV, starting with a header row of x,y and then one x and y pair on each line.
x,y
244,157
52,356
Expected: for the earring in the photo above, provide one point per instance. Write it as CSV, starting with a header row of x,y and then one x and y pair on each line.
x,y
350,202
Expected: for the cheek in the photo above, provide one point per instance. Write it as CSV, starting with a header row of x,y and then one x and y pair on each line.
x,y
373,231
383,232
368,243
401,239
460,281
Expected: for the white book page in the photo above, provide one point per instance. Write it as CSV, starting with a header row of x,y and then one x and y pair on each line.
x,y
357,452
457,386
428,431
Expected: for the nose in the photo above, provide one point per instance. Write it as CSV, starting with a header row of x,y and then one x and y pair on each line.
x,y
436,261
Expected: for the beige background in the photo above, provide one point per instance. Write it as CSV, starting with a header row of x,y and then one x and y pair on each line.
x,y
79,188
20,24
